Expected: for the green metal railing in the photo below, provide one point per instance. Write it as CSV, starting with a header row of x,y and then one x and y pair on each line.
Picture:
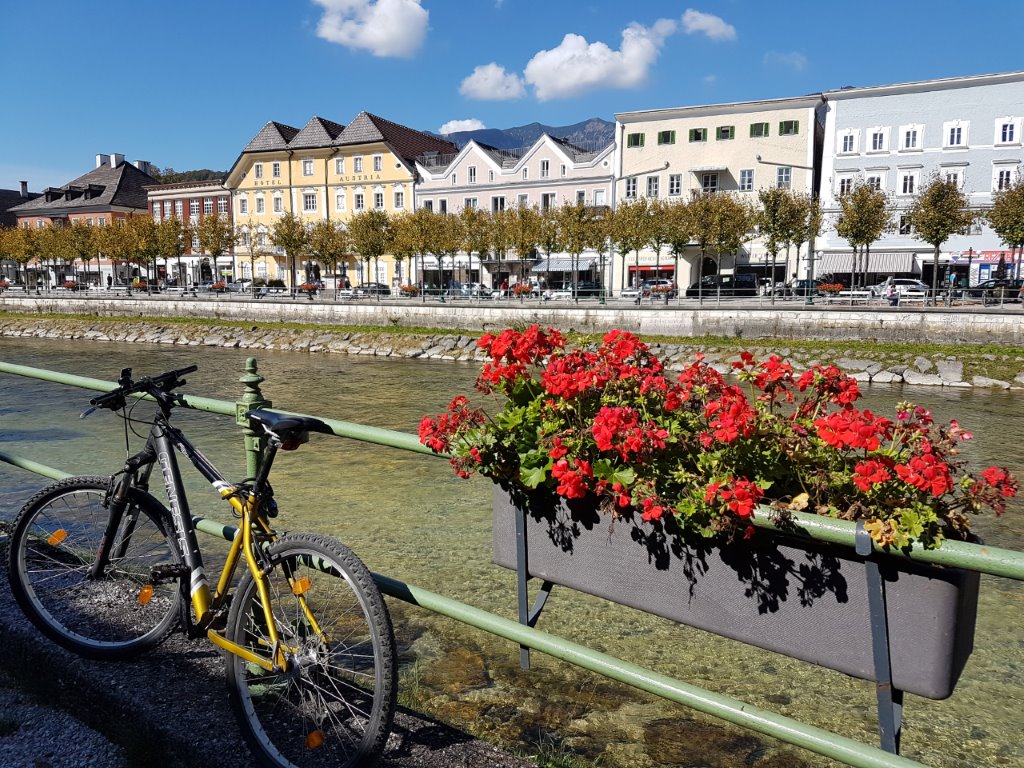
x,y
984,559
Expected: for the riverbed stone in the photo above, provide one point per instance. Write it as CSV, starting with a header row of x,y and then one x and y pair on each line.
x,y
910,376
923,364
860,376
984,381
853,364
885,377
950,370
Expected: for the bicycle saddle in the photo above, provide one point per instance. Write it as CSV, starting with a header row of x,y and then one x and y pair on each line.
x,y
285,426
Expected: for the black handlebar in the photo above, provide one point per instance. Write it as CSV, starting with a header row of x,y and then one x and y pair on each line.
x,y
151,385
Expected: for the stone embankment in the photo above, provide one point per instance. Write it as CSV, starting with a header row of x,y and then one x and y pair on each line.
x,y
965,369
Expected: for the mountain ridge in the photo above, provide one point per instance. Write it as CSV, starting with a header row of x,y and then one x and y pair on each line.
x,y
592,131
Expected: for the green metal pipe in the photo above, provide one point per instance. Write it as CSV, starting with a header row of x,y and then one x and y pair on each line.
x,y
32,466
849,751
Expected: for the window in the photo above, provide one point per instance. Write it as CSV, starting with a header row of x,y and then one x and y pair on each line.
x,y
652,186
207,205
911,137
222,205
88,221
378,200
490,175
524,201
545,168
399,199
758,130
378,163
709,182
878,140
472,174
469,202
258,170
193,208
307,167
875,182
845,185
442,206
1006,133
954,177
725,132
547,201
101,221
848,143
275,170
675,184
177,208
359,201
631,187
789,127
747,180
908,183
309,201
243,205
339,201
455,179
167,208
784,177
598,197
497,204
698,134
634,140
563,170
904,227
581,197
955,133
339,166
279,204
1004,178
357,165
428,205
526,173
195,243
259,205
156,213
666,137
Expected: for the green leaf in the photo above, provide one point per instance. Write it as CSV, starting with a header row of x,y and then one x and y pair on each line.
x,y
604,469
532,477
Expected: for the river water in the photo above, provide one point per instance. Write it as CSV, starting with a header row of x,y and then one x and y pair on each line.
x,y
407,516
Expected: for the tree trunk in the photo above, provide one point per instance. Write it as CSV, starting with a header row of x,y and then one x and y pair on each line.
x,y
867,262
935,274
774,257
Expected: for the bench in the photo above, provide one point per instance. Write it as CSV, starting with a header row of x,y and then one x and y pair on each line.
x,y
852,297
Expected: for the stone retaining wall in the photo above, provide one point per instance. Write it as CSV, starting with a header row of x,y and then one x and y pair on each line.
x,y
940,370
970,325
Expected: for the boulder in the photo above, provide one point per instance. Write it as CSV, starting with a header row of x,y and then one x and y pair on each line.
x,y
950,370
923,364
984,381
910,376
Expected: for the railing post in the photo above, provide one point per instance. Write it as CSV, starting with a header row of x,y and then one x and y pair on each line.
x,y
252,397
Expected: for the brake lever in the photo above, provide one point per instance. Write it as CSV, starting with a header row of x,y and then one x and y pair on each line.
x,y
88,412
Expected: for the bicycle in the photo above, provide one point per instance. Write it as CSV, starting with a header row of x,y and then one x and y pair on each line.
x,y
104,569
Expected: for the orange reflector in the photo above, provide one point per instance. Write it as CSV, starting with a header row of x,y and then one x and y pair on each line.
x,y
57,537
145,594
314,739
301,586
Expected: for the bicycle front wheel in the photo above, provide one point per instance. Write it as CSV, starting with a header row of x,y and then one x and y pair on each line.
x,y
334,704
56,538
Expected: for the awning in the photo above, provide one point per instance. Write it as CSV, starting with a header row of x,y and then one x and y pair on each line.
x,y
709,169
883,261
564,264
652,268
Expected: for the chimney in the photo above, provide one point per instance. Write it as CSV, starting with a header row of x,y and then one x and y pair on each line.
x,y
142,165
24,188
102,160
116,159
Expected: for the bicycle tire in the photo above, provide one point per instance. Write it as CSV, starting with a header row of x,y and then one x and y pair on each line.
x,y
335,705
54,543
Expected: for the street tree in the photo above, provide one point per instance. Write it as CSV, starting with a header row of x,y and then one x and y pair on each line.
x,y
678,222
476,234
806,227
18,246
774,219
865,213
140,234
939,210
289,233
629,229
406,242
328,244
82,244
172,236
371,236
578,233
523,233
657,228
216,237
114,243
733,224
550,239
1006,217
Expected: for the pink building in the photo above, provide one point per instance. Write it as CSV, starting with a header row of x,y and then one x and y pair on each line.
x,y
548,173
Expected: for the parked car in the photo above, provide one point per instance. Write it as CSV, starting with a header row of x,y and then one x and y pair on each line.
x,y
631,292
240,286
583,288
901,284
372,289
470,291
730,285
659,287
1005,289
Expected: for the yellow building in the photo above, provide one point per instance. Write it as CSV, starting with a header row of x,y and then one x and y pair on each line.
x,y
325,171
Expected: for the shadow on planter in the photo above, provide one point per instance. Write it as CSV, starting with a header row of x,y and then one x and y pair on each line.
x,y
784,593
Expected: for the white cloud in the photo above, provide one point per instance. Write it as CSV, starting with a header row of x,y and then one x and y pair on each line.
x,y
454,126
490,82
382,27
792,60
577,66
709,79
715,27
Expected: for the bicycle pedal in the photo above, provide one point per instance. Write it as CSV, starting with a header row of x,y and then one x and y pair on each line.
x,y
167,572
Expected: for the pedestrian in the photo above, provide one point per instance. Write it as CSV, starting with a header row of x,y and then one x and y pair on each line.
x,y
110,281
892,295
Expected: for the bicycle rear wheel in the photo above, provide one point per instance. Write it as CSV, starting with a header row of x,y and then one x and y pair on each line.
x,y
55,541
335,703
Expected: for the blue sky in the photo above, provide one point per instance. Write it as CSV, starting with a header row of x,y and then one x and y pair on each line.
x,y
187,84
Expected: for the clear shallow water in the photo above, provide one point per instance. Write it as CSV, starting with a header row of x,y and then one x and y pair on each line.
x,y
408,517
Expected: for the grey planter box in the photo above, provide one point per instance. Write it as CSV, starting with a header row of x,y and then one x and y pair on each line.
x,y
797,597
